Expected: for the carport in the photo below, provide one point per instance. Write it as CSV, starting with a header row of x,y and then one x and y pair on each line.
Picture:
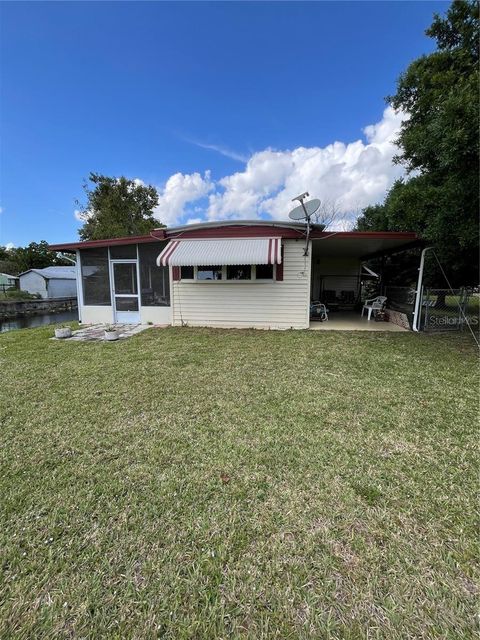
x,y
342,275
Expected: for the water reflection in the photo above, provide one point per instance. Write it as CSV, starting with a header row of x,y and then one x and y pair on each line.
x,y
38,321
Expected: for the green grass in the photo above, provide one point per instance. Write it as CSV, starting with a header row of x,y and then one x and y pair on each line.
x,y
16,294
204,484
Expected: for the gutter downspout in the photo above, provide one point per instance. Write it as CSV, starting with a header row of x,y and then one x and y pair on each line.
x,y
418,292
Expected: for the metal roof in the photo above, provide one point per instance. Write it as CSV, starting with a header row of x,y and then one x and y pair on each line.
x,y
194,253
108,242
281,224
371,240
57,273
363,245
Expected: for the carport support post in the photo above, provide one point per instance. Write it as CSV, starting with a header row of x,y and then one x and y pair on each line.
x,y
382,276
418,293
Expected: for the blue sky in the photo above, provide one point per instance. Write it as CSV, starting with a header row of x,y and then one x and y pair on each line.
x,y
230,109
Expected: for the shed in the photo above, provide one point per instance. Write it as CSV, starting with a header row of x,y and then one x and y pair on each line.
x,y
50,282
7,280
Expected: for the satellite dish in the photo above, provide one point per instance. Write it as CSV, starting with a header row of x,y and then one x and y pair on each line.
x,y
304,210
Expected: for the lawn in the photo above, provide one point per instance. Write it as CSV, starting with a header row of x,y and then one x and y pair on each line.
x,y
208,484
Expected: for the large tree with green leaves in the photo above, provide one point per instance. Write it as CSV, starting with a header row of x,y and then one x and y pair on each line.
x,y
439,146
36,255
117,207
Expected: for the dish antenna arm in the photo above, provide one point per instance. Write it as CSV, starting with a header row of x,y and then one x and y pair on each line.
x,y
301,199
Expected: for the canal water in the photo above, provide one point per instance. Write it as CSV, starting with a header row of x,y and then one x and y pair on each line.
x,y
28,322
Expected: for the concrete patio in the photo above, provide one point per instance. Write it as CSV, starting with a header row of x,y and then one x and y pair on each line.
x,y
95,332
352,321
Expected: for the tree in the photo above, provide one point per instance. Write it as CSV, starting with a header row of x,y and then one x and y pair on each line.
x,y
117,207
7,264
36,255
439,145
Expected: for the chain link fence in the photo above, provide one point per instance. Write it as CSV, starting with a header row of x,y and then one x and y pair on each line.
x,y
440,309
449,309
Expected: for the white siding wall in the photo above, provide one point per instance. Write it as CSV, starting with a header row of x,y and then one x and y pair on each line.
x,y
156,315
275,305
33,283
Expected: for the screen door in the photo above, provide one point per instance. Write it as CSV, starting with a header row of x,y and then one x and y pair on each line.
x,y
125,291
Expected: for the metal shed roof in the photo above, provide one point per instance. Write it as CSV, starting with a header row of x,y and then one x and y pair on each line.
x,y
51,273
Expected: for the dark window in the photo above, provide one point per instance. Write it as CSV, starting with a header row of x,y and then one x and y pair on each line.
x,y
125,277
209,273
264,272
187,273
154,281
124,252
126,304
239,272
95,277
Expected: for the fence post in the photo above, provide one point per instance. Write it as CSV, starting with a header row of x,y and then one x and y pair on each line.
x,y
427,300
418,307
462,308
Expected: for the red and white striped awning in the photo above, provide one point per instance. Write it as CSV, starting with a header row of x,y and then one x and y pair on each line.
x,y
195,253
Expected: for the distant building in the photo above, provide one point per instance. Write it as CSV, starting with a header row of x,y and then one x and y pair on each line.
x,y
50,282
7,281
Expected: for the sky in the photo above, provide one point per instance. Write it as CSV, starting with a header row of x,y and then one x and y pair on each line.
x,y
230,109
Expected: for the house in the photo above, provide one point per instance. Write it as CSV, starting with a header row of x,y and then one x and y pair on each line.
x,y
226,274
7,281
50,282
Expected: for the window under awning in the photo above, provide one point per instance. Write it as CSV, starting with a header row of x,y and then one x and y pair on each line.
x,y
195,253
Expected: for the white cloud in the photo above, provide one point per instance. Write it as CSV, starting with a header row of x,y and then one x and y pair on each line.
x,y
82,216
179,191
1,209
9,246
351,175
221,149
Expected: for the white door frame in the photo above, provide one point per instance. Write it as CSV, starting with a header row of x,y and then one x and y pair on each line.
x,y
128,317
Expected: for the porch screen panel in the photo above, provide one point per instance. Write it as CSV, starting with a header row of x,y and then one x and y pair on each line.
x,y
124,251
154,281
95,277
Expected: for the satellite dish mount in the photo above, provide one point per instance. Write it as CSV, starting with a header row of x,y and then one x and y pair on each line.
x,y
304,211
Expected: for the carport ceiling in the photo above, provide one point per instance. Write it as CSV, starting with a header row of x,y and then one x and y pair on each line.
x,y
361,245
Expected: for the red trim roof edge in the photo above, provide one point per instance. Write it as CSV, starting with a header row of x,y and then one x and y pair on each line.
x,y
381,235
232,232
108,242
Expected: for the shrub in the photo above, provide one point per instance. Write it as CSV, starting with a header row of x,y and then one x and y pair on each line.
x,y
16,294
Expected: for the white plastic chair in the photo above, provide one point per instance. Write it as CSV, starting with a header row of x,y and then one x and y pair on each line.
x,y
375,304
